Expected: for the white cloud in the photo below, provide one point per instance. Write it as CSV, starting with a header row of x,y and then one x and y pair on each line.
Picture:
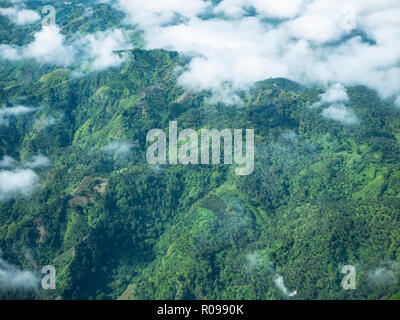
x,y
7,162
99,48
339,112
228,54
309,45
12,277
335,93
17,182
335,96
15,111
269,9
352,42
277,8
7,113
314,27
50,47
20,16
154,12
231,8
39,161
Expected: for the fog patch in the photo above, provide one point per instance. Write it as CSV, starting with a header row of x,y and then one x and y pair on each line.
x,y
7,113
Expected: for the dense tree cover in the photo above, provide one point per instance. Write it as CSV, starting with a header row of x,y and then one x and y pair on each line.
x,y
323,195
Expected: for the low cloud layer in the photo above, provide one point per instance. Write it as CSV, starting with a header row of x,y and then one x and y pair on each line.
x,y
93,51
14,278
235,43
239,42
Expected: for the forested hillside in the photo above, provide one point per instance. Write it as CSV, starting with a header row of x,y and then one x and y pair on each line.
x,y
323,194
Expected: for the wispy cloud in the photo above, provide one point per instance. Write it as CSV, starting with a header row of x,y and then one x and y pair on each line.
x,y
281,286
12,277
7,113
39,161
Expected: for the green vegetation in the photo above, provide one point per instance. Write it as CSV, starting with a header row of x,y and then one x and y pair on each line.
x,y
322,195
